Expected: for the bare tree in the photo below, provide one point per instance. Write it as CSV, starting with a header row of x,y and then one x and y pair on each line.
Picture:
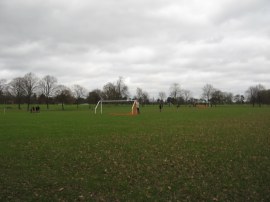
x,y
239,99
116,91
139,94
217,97
48,87
265,96
2,85
208,90
186,95
260,88
79,92
2,89
142,96
94,96
175,91
254,95
145,97
175,94
16,88
228,97
63,95
121,88
109,92
162,95
30,84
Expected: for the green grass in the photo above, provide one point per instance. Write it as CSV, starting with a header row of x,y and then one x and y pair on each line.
x,y
185,154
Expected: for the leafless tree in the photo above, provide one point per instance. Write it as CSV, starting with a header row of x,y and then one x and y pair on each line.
x,y
145,97
63,95
186,95
162,95
217,97
239,99
109,92
30,85
139,93
208,90
3,87
265,96
79,92
175,91
16,88
118,91
142,96
121,88
228,97
48,87
253,94
94,96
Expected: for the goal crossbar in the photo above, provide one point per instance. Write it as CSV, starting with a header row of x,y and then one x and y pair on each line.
x,y
114,101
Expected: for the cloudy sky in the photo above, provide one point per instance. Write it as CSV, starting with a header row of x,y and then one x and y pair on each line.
x,y
151,43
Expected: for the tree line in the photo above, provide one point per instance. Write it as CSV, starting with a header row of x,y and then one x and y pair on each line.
x,y
257,94
30,89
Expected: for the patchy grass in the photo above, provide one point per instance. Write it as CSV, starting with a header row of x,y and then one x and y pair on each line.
x,y
189,154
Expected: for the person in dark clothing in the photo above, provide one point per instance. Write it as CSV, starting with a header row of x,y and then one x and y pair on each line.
x,y
160,105
137,106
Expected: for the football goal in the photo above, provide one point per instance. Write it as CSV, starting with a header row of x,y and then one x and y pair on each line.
x,y
129,109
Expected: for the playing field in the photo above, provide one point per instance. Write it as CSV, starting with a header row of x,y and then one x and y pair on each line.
x,y
185,154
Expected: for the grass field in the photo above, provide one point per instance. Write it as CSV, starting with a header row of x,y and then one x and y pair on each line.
x,y
185,154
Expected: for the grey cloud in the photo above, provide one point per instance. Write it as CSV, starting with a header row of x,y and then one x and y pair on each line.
x,y
151,43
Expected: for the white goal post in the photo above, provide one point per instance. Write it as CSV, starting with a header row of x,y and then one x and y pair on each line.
x,y
100,103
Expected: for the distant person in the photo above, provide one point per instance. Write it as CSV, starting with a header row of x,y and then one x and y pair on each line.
x,y
37,109
160,105
33,109
137,106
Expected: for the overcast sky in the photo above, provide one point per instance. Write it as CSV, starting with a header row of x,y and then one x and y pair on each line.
x,y
150,43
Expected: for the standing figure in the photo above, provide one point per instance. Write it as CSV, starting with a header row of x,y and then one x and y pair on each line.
x,y
137,106
160,105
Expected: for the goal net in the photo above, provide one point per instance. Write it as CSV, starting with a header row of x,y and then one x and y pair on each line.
x,y
117,107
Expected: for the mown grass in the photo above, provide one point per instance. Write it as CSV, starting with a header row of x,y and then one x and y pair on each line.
x,y
185,154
